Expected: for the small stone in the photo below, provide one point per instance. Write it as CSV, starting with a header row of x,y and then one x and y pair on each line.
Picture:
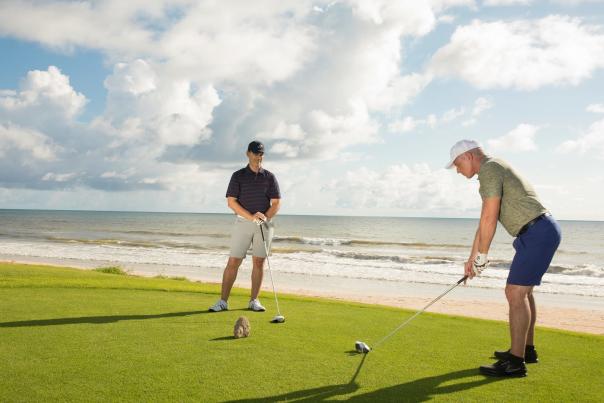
x,y
242,327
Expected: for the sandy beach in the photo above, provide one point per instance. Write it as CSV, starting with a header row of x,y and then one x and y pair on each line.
x,y
567,312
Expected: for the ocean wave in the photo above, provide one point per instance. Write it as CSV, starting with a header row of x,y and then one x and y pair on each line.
x,y
136,244
572,252
173,233
360,242
579,270
392,258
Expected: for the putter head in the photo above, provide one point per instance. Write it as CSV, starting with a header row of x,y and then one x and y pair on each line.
x,y
278,319
361,348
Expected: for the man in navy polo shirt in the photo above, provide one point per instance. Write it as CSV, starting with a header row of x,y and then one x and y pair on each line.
x,y
253,194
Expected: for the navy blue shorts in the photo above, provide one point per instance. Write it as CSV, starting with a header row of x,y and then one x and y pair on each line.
x,y
535,249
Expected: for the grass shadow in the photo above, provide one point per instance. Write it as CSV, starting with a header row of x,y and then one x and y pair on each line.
x,y
424,389
320,393
223,338
96,319
418,390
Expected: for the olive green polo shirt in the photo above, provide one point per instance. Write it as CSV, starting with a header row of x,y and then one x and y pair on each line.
x,y
519,202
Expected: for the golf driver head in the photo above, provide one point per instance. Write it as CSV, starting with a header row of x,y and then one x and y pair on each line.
x,y
278,319
361,348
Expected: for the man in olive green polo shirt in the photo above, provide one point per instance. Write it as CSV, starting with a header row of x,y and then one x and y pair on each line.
x,y
507,197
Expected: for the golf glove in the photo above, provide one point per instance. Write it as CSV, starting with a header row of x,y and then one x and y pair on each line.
x,y
480,263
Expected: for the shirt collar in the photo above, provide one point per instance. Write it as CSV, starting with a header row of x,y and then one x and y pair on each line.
x,y
249,170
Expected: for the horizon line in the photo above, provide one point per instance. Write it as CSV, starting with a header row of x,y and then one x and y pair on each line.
x,y
295,215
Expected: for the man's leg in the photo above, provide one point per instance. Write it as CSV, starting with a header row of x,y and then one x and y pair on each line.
x,y
229,276
520,316
257,275
530,336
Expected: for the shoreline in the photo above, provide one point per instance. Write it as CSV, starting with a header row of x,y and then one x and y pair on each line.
x,y
559,311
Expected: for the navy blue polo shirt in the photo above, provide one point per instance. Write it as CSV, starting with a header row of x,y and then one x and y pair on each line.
x,y
254,191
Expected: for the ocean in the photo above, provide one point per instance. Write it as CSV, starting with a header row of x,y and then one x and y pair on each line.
x,y
409,250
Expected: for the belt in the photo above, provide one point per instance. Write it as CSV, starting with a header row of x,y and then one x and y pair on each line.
x,y
532,222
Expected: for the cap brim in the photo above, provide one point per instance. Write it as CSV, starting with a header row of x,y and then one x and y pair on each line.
x,y
449,165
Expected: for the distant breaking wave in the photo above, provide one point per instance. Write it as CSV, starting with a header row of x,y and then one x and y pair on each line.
x,y
168,233
135,244
360,242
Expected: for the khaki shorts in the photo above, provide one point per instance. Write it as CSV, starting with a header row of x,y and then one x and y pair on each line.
x,y
245,234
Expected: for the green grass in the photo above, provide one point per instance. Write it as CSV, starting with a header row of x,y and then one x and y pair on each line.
x,y
73,335
111,270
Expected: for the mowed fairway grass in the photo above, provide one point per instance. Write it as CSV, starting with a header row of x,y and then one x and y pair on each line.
x,y
75,335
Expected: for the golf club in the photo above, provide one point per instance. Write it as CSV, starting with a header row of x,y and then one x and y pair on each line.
x,y
363,348
278,318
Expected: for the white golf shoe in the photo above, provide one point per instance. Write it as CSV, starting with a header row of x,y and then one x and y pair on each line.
x,y
219,306
256,306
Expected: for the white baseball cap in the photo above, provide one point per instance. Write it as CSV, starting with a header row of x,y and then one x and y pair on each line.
x,y
461,147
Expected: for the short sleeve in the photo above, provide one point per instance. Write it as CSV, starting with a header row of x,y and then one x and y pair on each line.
x,y
273,189
234,188
491,180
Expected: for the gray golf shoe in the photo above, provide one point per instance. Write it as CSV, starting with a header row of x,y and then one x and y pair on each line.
x,y
256,306
219,306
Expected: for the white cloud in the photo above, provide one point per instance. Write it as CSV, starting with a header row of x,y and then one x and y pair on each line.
x,y
23,140
480,105
332,133
42,93
410,123
440,5
285,149
405,188
284,131
521,138
305,74
446,19
142,106
522,54
55,177
406,124
453,114
595,108
590,142
575,2
506,2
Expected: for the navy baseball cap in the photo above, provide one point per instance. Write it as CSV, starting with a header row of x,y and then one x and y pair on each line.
x,y
256,147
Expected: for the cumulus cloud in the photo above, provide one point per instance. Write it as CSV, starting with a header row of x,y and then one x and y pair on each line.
x,y
409,123
142,107
595,108
590,142
523,54
193,82
506,2
30,143
42,94
480,105
297,73
404,187
406,124
521,138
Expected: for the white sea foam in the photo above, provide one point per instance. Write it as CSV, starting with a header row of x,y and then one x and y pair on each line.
x,y
410,269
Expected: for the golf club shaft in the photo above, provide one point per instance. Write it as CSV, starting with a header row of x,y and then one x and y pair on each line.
x,y
420,311
270,273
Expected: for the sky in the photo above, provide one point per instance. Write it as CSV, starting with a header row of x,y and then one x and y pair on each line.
x,y
149,105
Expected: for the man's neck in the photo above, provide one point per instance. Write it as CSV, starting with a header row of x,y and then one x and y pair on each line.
x,y
255,168
479,161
